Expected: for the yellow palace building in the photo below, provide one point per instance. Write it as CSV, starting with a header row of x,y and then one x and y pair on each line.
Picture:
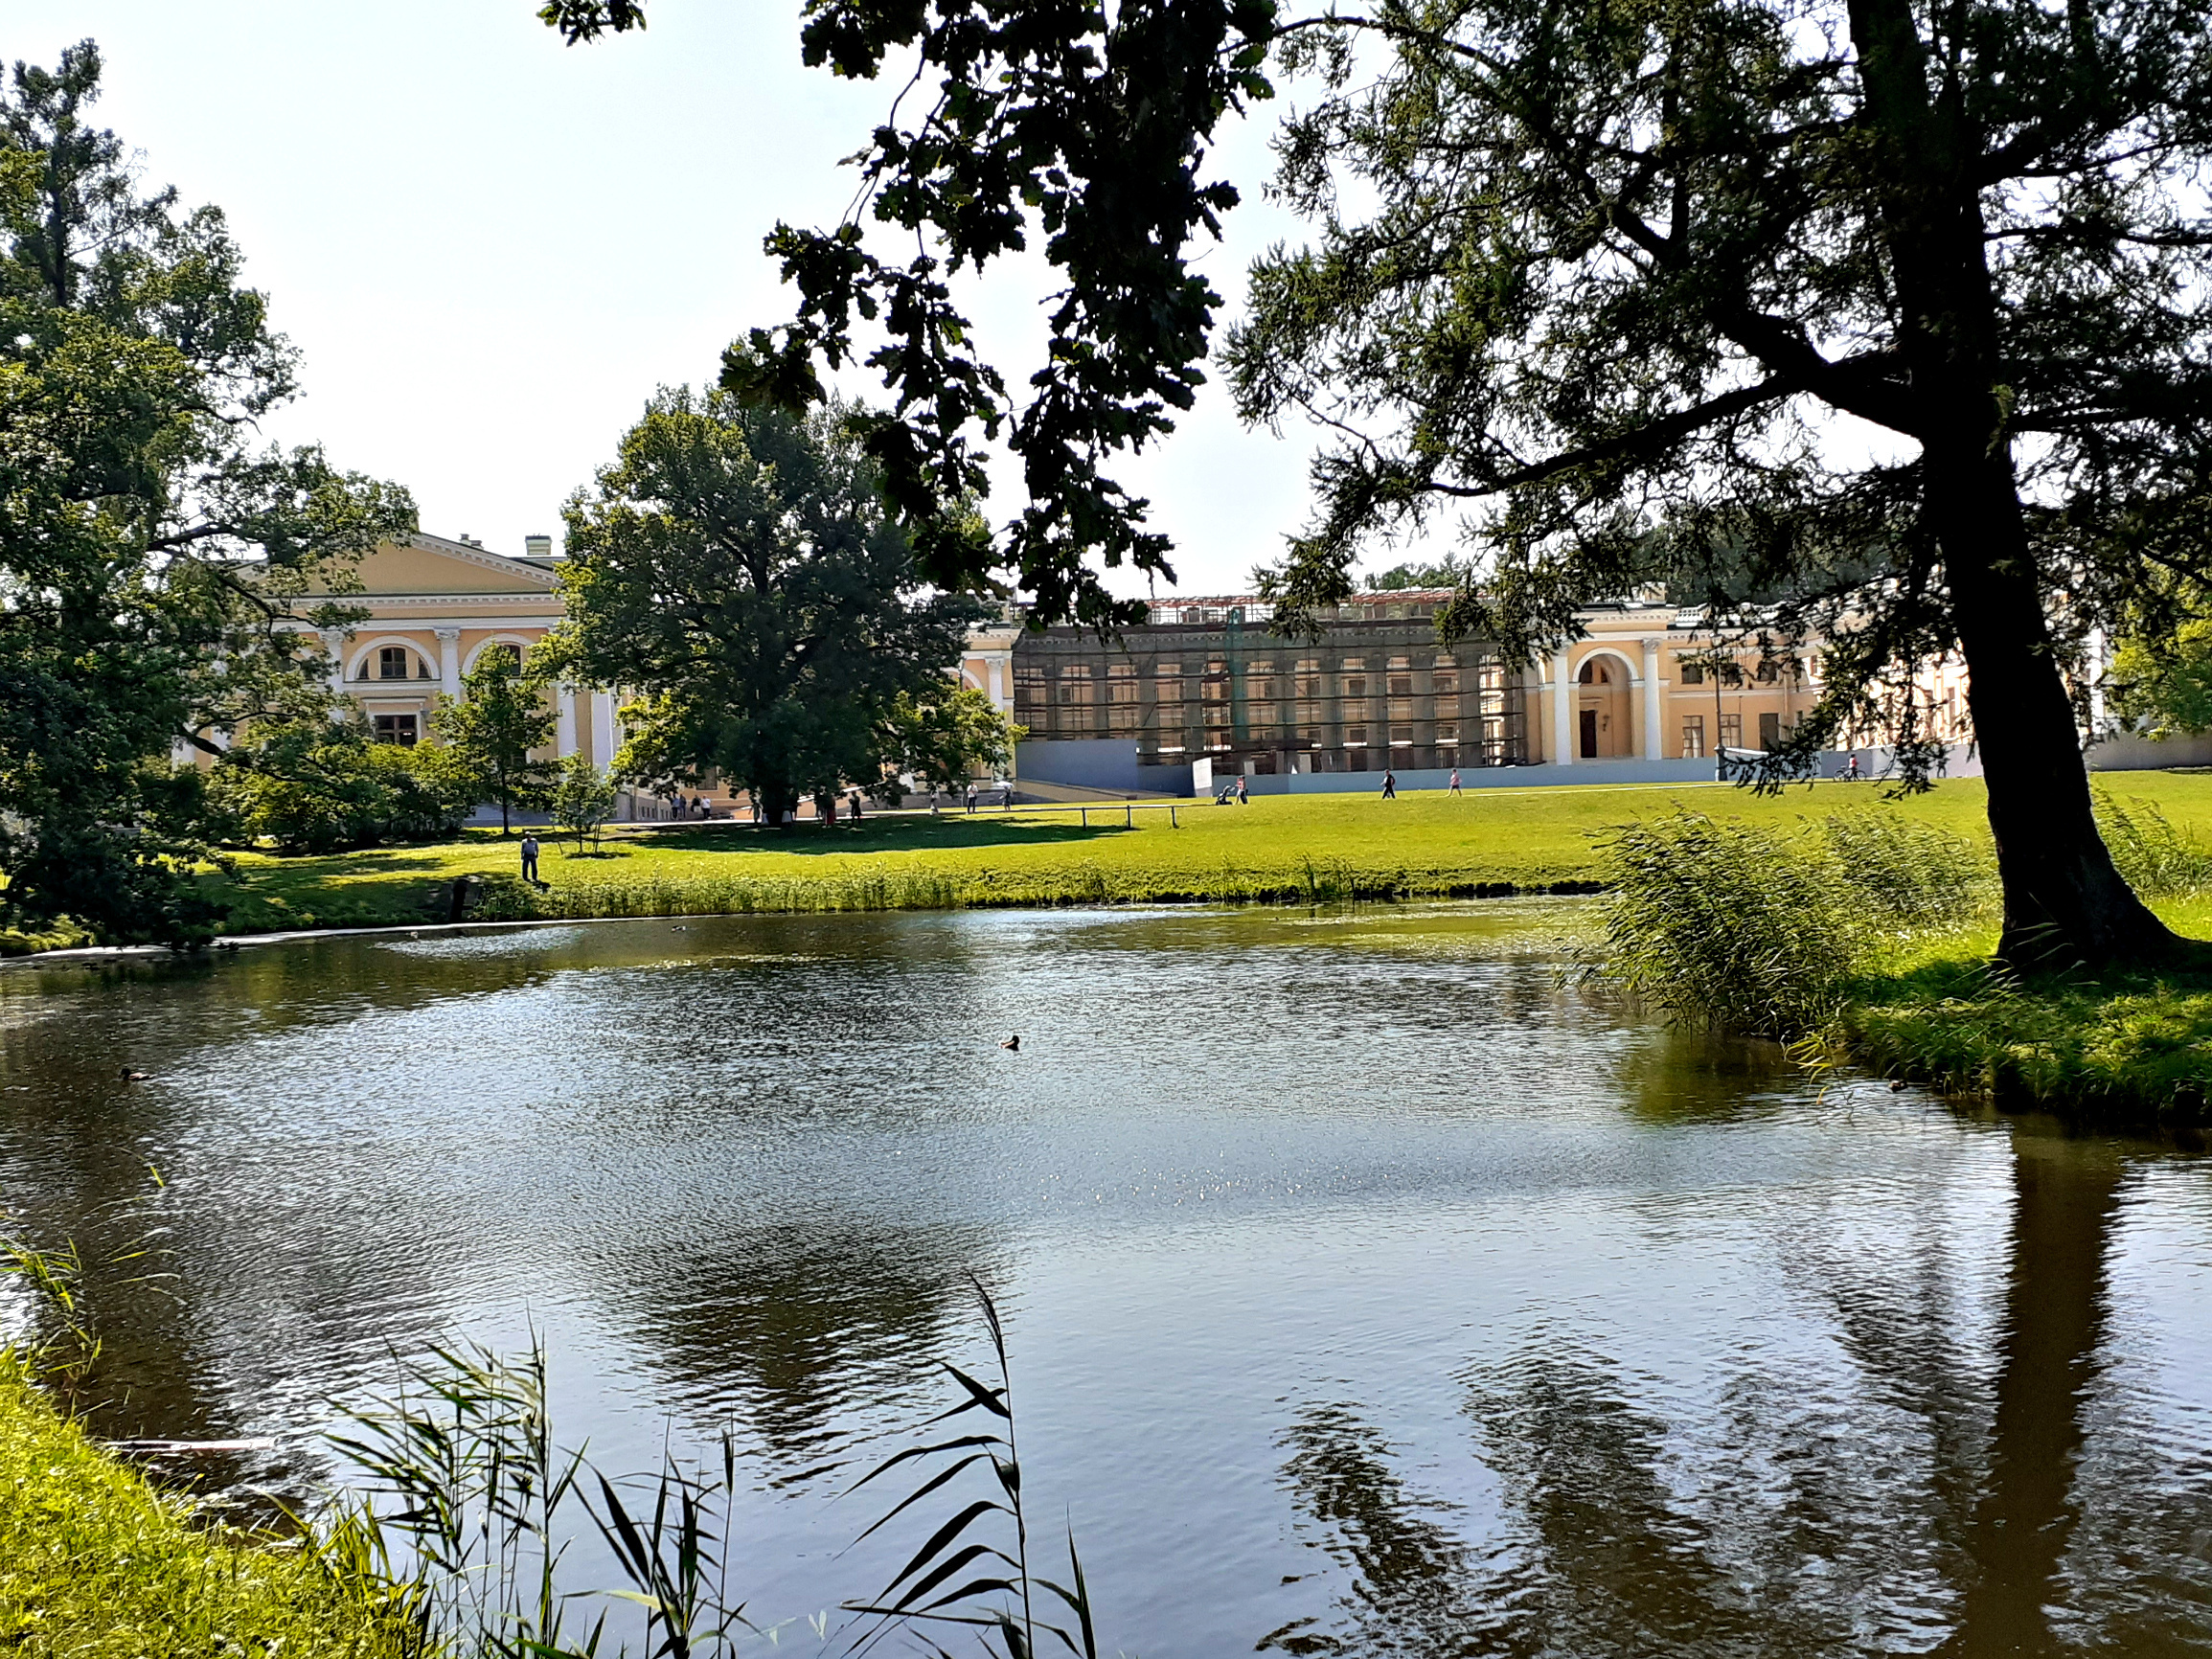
x,y
434,607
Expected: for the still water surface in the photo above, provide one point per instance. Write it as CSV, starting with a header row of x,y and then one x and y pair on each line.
x,y
1370,1292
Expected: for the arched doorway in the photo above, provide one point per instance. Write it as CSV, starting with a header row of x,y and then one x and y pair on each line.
x,y
1602,709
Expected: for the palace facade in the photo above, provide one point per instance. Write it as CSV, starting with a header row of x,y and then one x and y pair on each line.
x,y
1649,690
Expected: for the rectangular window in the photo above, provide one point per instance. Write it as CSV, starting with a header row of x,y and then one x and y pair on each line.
x,y
1356,685
1074,690
1766,672
1769,731
1309,674
1401,710
1693,673
1029,691
1447,731
1694,737
397,728
1121,683
1731,674
1401,737
1168,683
392,663
1355,737
1446,682
1402,685
1352,709
1731,731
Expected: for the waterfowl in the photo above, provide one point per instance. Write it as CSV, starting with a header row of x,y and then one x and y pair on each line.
x,y
131,1077
1012,1044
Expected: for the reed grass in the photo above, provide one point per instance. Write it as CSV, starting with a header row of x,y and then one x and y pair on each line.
x,y
959,1580
1866,938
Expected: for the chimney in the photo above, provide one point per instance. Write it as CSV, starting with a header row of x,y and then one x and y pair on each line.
x,y
468,540
537,547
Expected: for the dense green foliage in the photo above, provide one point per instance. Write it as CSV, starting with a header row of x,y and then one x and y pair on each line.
x,y
314,783
2164,682
490,736
148,554
96,1565
738,565
583,800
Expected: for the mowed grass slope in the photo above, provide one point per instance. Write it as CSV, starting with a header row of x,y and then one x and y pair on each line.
x,y
1278,848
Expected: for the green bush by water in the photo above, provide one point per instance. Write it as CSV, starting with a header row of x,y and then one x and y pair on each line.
x,y
1759,928
1866,938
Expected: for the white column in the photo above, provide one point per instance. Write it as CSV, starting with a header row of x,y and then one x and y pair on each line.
x,y
1654,709
449,661
602,738
564,735
1563,713
335,642
997,673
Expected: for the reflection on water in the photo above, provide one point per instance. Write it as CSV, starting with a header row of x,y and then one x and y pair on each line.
x,y
1369,1291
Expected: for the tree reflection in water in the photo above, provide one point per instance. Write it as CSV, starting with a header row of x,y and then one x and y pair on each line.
x,y
1943,1520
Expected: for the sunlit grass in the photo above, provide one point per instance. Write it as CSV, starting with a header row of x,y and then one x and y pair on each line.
x,y
96,1565
1295,849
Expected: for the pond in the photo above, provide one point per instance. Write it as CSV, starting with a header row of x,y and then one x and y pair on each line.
x,y
1370,1287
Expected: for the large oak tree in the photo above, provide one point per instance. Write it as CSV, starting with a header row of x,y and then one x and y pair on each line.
x,y
738,566
1893,306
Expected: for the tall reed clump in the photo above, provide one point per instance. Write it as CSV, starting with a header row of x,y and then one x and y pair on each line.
x,y
1747,928
2154,858
958,1579
467,1510
469,1503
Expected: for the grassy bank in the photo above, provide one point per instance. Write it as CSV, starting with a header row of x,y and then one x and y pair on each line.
x,y
1866,938
96,1565
1287,848
2122,1049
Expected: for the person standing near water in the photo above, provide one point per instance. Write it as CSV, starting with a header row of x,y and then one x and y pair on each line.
x,y
1390,786
530,859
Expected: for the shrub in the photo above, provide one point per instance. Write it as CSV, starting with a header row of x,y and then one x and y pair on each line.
x,y
1745,928
315,785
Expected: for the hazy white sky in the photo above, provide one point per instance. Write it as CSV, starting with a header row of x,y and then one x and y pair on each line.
x,y
492,248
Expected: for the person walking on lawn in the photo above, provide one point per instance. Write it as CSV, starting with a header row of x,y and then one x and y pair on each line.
x,y
530,859
1455,780
1390,786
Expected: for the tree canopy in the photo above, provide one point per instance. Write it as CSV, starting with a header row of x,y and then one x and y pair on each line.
x,y
1908,302
738,565
149,551
503,714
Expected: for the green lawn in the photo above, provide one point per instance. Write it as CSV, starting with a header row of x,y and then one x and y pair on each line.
x,y
1277,848
97,1565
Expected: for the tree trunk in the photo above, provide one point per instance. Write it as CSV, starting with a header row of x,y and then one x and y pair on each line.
x,y
2066,1196
2063,901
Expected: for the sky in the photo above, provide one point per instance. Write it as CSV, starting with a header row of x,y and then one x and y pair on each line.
x,y
492,248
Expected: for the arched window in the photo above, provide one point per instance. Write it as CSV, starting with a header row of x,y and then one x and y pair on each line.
x,y
1596,673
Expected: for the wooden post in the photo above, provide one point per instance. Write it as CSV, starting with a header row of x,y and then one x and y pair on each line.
x,y
1086,817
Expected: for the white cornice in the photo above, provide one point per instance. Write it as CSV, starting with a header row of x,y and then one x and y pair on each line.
x,y
396,624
